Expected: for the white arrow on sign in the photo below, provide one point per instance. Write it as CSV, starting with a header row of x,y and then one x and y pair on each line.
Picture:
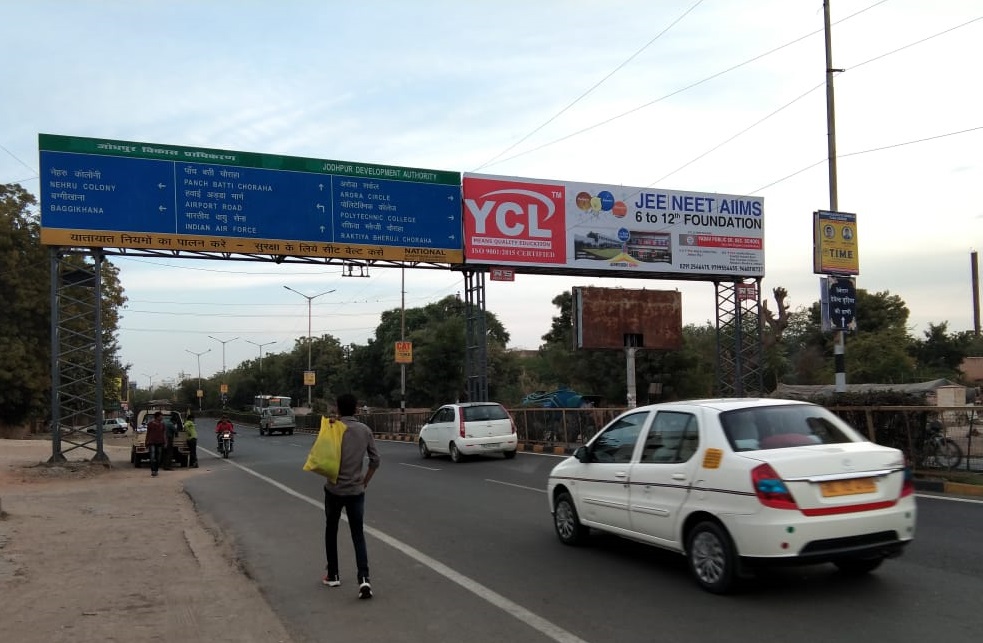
x,y
320,207
161,186
162,208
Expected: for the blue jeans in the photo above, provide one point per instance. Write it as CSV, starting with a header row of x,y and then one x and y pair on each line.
x,y
156,452
354,507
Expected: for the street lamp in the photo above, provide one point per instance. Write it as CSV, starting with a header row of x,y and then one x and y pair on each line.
x,y
260,359
224,342
198,355
150,383
224,387
309,299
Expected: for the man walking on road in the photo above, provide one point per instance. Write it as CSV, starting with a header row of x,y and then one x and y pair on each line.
x,y
155,440
348,493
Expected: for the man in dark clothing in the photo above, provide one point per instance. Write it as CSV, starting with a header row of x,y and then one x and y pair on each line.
x,y
173,425
348,493
156,439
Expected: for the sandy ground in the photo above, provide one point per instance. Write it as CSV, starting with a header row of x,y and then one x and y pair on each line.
x,y
90,553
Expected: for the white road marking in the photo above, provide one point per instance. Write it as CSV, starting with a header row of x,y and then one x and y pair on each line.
x,y
538,623
949,498
517,486
420,466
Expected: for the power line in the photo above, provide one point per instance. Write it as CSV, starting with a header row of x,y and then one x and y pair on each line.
x,y
592,88
683,89
742,132
34,173
868,151
790,103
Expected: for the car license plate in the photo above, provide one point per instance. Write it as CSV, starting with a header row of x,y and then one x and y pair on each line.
x,y
852,487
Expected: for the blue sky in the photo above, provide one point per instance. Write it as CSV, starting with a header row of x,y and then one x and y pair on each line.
x,y
709,96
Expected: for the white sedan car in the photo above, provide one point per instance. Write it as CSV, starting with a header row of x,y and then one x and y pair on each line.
x,y
474,428
738,483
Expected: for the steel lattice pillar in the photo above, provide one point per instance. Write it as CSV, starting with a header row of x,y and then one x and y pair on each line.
x,y
476,337
740,362
76,354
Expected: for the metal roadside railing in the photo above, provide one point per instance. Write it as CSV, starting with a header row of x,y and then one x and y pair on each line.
x,y
561,431
906,428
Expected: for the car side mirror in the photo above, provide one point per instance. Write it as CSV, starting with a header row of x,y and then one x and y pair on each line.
x,y
582,455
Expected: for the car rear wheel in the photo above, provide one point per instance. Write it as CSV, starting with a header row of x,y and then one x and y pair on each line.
x,y
567,522
424,451
858,566
456,454
711,557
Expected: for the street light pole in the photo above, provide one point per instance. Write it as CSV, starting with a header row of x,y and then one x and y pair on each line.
x,y
309,299
150,383
198,355
224,342
260,359
223,383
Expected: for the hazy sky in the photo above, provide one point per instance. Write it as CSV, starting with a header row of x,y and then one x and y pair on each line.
x,y
719,96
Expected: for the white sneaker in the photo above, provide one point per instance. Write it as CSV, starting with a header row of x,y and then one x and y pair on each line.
x,y
365,589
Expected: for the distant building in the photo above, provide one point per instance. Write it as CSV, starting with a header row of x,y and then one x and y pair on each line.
x,y
972,369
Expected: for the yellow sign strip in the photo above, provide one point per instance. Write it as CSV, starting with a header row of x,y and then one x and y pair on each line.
x,y
195,243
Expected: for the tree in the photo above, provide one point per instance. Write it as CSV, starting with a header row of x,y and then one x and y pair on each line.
x,y
437,331
25,320
876,353
25,317
941,353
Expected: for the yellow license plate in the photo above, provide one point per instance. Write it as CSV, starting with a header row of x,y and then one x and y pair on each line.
x,y
847,487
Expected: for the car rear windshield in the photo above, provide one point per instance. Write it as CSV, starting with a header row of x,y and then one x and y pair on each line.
x,y
778,427
485,412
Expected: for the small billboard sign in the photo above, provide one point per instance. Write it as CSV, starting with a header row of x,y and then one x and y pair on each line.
x,y
502,274
404,352
835,247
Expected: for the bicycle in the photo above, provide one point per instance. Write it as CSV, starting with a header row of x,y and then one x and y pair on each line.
x,y
936,451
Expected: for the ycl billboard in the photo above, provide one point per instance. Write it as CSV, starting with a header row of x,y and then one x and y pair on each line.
x,y
578,228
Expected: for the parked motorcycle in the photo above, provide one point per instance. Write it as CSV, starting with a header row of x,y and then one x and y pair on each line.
x,y
225,443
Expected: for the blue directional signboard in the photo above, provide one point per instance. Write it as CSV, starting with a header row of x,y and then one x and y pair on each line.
x,y
121,194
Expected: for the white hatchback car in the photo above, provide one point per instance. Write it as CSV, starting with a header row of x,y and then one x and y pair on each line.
x,y
469,429
738,483
110,425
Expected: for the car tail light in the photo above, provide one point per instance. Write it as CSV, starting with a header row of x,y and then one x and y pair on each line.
x,y
461,429
908,483
770,489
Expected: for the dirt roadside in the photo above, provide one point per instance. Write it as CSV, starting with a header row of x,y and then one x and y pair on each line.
x,y
90,553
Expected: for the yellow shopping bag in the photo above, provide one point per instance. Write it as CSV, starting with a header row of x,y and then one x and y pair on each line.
x,y
325,456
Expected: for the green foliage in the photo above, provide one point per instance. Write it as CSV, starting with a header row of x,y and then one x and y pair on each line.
x,y
435,377
941,353
25,317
